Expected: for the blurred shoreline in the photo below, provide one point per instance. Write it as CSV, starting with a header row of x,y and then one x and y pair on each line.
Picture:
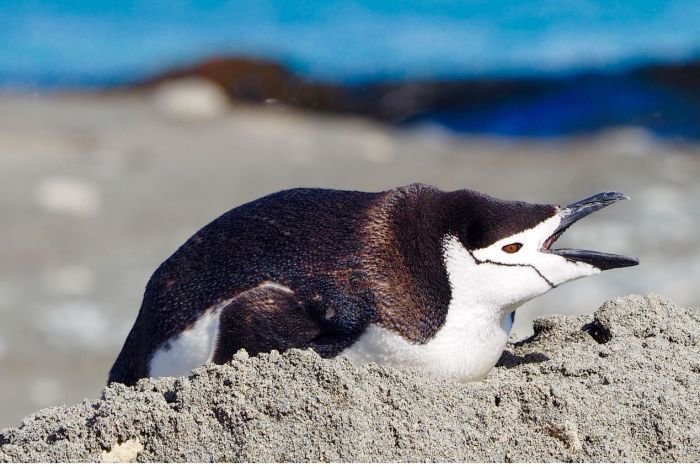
x,y
97,190
662,98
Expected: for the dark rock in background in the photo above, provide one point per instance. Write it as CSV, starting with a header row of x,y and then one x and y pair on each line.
x,y
664,99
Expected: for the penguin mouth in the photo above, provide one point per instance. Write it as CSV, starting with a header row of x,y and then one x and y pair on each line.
x,y
577,211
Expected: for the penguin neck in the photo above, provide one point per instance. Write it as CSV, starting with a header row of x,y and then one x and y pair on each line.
x,y
403,259
468,342
477,324
475,292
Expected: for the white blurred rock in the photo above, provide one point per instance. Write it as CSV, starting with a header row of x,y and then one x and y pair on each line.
x,y
66,195
69,280
45,391
378,147
190,99
9,296
628,142
667,218
77,324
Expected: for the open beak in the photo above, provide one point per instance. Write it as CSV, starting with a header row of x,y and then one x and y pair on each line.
x,y
576,211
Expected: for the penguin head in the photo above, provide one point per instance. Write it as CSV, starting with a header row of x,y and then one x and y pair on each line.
x,y
503,251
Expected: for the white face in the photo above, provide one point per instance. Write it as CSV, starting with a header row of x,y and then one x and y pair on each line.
x,y
496,277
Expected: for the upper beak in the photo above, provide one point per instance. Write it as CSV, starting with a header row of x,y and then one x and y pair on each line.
x,y
577,211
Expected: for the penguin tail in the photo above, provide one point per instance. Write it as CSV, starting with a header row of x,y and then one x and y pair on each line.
x,y
130,365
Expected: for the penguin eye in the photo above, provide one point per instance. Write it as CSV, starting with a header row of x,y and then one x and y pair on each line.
x,y
512,248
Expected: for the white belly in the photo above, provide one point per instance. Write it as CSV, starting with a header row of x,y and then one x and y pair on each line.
x,y
192,348
462,350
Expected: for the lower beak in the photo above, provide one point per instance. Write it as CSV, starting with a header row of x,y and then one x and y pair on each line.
x,y
577,211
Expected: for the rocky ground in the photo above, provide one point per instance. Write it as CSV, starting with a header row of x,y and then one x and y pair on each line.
x,y
621,386
97,190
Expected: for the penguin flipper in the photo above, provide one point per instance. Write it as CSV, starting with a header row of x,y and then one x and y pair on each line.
x,y
267,317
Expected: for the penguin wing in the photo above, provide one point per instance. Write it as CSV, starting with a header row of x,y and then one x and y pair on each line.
x,y
264,318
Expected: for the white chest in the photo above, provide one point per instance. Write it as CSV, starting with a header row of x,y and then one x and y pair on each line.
x,y
460,350
468,344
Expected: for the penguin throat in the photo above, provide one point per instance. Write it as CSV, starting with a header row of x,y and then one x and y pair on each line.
x,y
483,288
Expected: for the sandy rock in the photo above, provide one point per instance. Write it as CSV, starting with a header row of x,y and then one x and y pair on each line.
x,y
622,386
190,99
123,452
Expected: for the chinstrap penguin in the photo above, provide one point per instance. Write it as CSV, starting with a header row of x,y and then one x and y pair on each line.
x,y
409,277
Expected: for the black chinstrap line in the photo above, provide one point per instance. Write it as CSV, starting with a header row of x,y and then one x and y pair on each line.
x,y
488,261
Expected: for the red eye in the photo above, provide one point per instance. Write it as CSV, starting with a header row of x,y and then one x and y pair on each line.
x,y
512,248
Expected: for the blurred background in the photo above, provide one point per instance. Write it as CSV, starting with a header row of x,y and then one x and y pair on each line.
x,y
127,125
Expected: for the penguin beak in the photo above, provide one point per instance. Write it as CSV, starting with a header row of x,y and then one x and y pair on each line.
x,y
577,211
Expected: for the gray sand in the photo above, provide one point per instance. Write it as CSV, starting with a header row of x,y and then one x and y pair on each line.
x,y
620,387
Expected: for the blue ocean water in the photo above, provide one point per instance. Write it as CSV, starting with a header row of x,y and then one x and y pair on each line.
x,y
98,42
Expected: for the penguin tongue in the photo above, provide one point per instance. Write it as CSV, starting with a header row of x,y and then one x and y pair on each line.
x,y
577,211
548,243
